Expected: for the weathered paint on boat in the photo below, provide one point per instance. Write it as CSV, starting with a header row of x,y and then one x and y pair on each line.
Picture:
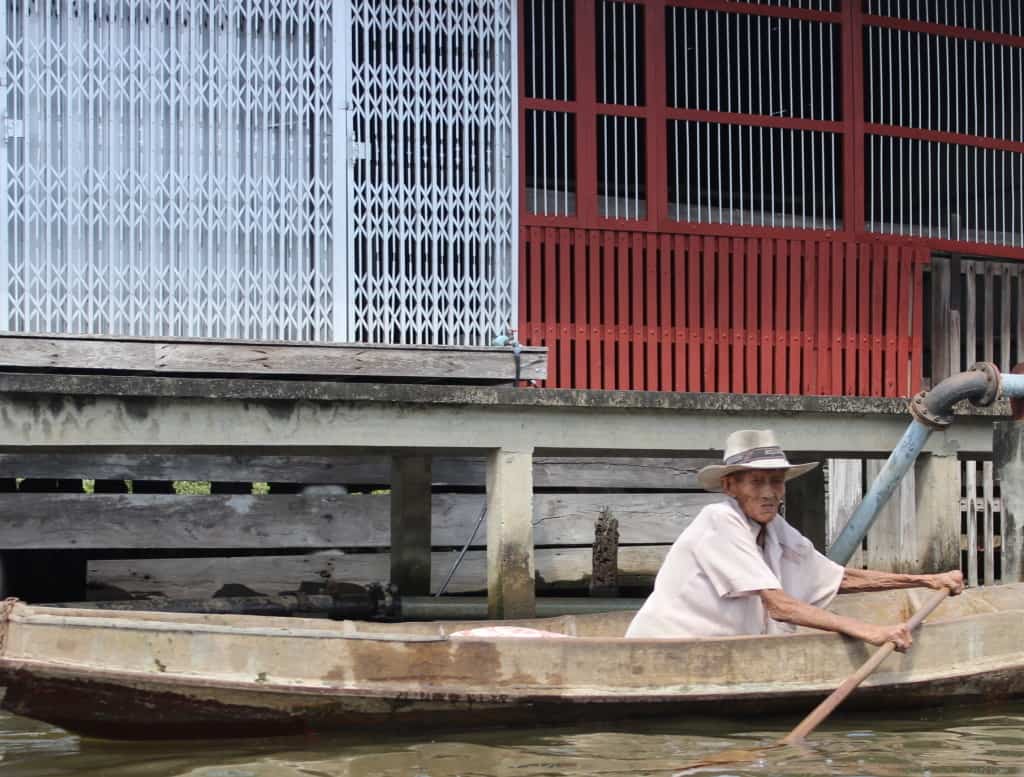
x,y
138,674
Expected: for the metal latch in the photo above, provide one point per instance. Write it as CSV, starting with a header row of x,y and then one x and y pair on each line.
x,y
357,150
14,128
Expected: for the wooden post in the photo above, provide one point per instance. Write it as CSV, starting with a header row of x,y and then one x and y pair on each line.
x,y
806,510
410,524
1008,457
510,583
937,498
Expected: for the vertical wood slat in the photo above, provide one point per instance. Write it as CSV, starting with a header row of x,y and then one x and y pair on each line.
x,y
564,312
609,311
863,319
877,281
824,335
971,488
709,320
694,316
891,313
652,325
768,341
988,313
738,321
753,297
969,318
941,317
839,299
681,343
1005,363
809,304
722,284
665,334
853,305
595,319
904,323
917,334
988,522
781,308
637,329
580,323
550,302
622,380
795,326
846,489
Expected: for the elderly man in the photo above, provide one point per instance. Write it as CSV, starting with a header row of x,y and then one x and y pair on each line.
x,y
739,568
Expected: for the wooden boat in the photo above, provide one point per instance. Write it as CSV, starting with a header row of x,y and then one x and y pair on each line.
x,y
141,674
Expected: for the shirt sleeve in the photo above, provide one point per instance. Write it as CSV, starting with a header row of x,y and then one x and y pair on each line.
x,y
731,560
817,578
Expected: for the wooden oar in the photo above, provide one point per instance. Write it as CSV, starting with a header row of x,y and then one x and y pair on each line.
x,y
823,710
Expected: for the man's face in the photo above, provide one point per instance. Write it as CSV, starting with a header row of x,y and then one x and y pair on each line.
x,y
758,492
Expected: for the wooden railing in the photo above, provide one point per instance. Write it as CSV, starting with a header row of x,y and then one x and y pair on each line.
x,y
660,312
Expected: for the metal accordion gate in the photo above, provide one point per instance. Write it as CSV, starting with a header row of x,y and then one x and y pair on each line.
x,y
296,170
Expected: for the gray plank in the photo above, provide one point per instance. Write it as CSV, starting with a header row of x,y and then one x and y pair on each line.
x,y
202,577
548,472
180,356
123,521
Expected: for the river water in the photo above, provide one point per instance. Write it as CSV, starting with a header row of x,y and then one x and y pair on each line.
x,y
929,743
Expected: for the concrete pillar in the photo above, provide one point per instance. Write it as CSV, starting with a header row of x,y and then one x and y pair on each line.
x,y
937,507
806,509
1008,461
510,579
410,524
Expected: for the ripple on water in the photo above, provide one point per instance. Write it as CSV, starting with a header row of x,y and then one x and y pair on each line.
x,y
935,744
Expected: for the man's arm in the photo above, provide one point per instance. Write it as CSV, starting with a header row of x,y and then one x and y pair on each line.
x,y
783,607
869,580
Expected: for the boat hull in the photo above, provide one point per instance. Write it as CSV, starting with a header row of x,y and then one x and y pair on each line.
x,y
171,676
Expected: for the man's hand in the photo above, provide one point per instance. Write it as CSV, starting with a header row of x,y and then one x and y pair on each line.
x,y
953,580
899,634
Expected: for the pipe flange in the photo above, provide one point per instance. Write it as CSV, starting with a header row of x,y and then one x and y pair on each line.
x,y
992,383
919,410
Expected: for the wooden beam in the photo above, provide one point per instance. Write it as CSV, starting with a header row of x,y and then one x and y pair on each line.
x,y
548,472
410,524
1008,458
937,494
159,521
186,356
510,541
556,569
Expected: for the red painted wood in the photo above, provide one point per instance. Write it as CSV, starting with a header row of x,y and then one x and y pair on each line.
x,y
836,321
580,328
522,304
824,334
710,319
944,30
550,310
637,330
795,339
664,331
809,304
752,119
586,116
754,297
623,324
609,312
850,383
917,342
877,309
904,323
853,113
751,9
892,309
722,284
781,385
564,309
537,335
594,319
739,323
863,319
695,318
768,345
656,97
678,303
648,284
953,138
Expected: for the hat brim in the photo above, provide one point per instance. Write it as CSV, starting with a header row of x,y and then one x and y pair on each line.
x,y
710,477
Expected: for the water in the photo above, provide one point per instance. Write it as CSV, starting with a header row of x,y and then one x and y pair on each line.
x,y
930,743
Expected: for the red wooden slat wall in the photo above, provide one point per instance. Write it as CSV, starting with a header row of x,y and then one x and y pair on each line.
x,y
635,310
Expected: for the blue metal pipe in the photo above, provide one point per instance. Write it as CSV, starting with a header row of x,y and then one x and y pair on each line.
x,y
900,460
1011,386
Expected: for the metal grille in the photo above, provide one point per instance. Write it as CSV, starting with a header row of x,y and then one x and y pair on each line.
x,y
761,176
168,168
432,181
990,15
742,63
943,83
946,191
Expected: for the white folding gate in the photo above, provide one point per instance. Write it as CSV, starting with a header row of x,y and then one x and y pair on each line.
x,y
295,169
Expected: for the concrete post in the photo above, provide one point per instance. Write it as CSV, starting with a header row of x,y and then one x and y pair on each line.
x,y
806,508
1008,461
937,503
410,524
510,579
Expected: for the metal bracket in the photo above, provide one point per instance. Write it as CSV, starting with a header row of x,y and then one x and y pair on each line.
x,y
13,128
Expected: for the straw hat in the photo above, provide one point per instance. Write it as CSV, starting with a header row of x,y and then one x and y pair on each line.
x,y
750,449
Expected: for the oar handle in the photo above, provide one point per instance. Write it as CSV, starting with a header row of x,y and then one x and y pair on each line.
x,y
823,710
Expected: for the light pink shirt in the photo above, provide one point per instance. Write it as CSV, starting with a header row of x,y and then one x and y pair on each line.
x,y
708,583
